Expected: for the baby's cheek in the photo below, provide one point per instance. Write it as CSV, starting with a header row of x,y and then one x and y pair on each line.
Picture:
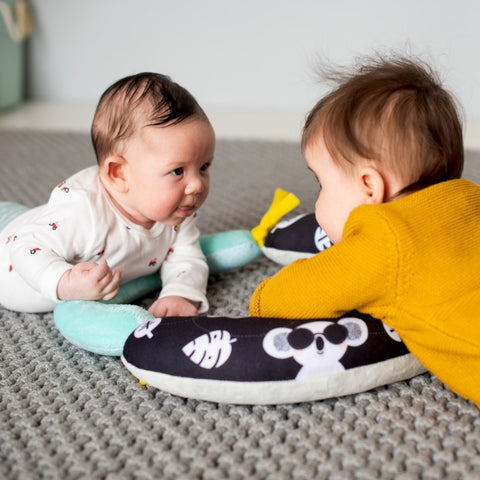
x,y
319,213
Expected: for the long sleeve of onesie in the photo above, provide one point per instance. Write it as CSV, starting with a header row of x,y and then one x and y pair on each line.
x,y
185,271
50,242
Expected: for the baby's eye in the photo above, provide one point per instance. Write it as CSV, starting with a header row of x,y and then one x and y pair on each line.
x,y
177,172
204,167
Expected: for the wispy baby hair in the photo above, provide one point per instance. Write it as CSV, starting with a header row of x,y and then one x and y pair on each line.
x,y
138,101
394,112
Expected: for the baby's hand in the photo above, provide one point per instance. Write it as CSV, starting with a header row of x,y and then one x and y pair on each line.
x,y
174,307
89,281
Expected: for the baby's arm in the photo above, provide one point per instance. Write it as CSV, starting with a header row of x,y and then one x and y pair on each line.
x,y
89,281
48,244
184,274
345,277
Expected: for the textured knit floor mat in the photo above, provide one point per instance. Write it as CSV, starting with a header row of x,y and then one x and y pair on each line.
x,y
69,414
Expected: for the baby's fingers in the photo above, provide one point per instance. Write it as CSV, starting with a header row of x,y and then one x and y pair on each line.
x,y
110,295
158,308
103,274
115,281
111,289
103,270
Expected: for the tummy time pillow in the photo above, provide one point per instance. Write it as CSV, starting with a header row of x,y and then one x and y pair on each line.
x,y
265,360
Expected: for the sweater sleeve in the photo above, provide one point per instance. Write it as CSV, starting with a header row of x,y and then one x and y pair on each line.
x,y
354,274
185,271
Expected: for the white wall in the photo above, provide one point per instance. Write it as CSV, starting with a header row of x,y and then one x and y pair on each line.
x,y
251,54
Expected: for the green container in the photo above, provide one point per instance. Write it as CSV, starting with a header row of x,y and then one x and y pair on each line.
x,y
12,58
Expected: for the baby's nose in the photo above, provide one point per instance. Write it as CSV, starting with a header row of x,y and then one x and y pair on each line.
x,y
194,186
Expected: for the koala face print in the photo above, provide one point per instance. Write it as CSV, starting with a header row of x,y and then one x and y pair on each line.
x,y
310,344
317,346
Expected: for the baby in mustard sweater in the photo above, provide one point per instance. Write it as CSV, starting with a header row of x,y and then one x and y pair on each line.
x,y
386,148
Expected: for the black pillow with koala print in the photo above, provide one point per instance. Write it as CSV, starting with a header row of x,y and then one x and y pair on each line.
x,y
264,350
300,234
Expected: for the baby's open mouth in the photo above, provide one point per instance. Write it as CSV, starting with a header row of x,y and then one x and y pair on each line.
x,y
186,210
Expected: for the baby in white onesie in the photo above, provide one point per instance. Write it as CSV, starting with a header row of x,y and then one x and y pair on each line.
x,y
130,215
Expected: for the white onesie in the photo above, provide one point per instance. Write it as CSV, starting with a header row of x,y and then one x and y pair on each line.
x,y
80,224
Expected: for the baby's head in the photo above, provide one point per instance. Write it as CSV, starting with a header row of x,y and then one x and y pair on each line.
x,y
135,102
154,145
389,128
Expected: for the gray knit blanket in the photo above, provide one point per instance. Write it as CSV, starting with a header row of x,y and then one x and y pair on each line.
x,y
70,414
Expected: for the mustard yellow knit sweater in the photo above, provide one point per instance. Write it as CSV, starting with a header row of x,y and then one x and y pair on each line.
x,y
413,263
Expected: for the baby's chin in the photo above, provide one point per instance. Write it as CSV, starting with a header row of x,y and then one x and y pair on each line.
x,y
174,221
179,216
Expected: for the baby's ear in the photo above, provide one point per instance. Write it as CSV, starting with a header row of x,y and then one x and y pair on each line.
x,y
373,184
113,172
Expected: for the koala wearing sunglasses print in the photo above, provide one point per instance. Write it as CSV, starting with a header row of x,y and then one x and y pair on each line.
x,y
317,346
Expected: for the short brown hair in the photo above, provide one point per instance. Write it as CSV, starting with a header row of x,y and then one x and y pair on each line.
x,y
136,101
394,112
